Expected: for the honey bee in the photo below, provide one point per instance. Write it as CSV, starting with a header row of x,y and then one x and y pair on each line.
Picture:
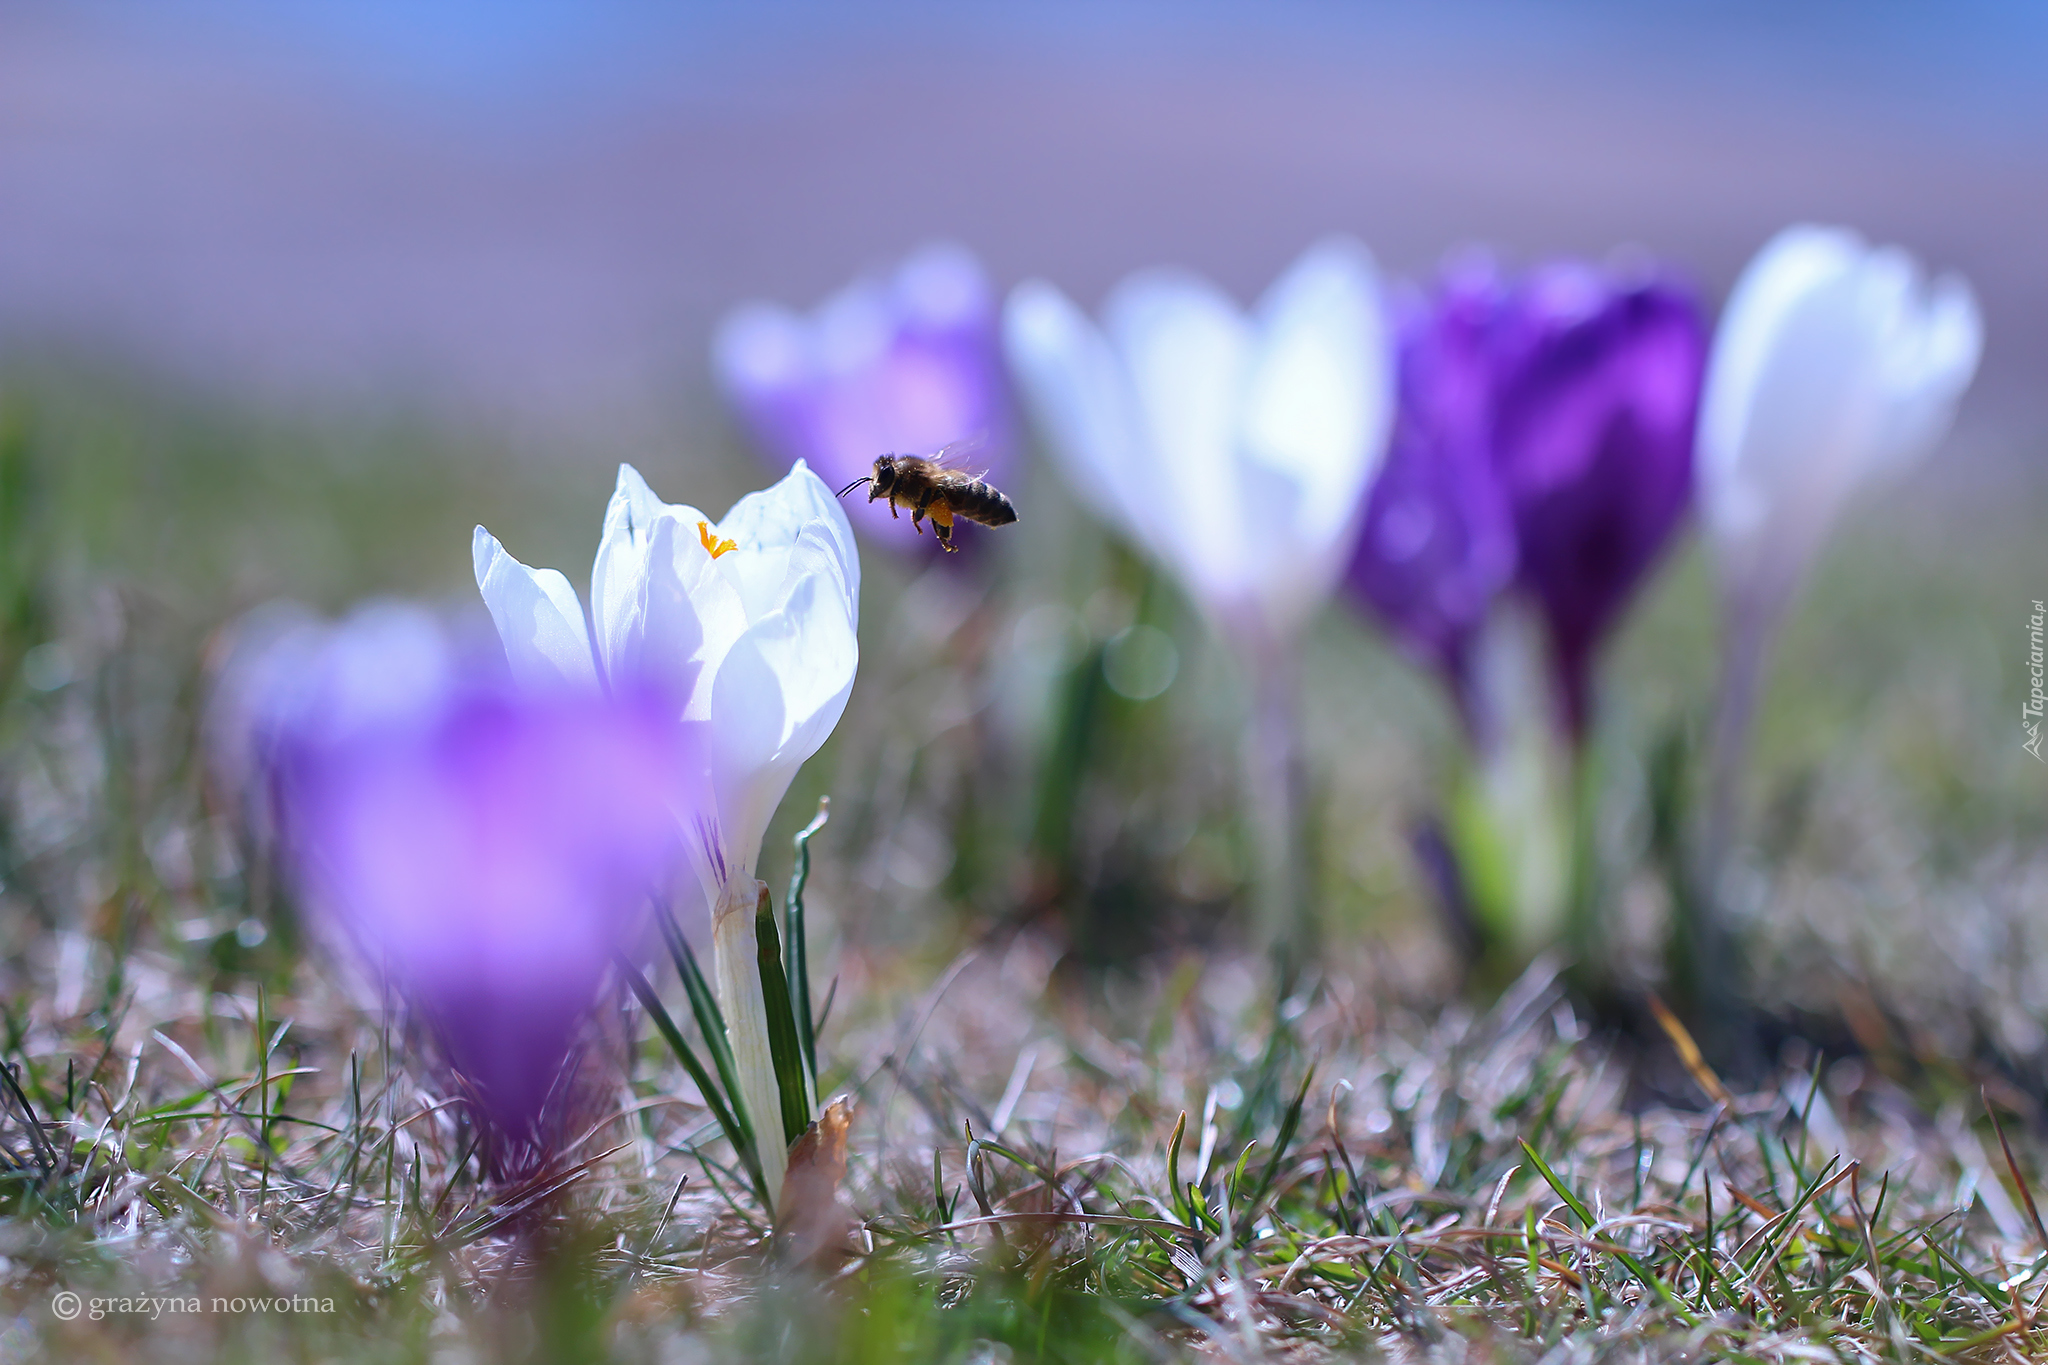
x,y
931,486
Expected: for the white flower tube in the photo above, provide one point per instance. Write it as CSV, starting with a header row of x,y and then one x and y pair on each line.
x,y
750,621
1236,449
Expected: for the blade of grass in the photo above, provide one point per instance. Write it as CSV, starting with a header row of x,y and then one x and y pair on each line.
x,y
1689,1053
785,1049
1759,1269
796,963
1173,1192
733,1123
710,1020
2012,1165
1585,1217
46,1154
1289,1123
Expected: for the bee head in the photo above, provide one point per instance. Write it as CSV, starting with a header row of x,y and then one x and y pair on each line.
x,y
885,476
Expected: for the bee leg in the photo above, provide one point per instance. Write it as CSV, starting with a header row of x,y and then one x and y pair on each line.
x,y
945,535
916,517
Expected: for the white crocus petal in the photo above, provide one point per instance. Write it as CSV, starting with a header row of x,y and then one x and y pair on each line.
x,y
1186,350
537,615
1788,367
779,691
1834,365
1317,410
1927,367
619,579
775,517
1237,449
701,623
1075,386
682,619
757,578
618,576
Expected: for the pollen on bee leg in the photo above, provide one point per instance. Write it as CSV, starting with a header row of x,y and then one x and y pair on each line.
x,y
714,544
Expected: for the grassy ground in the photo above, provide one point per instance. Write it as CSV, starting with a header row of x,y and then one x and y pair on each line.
x,y
1084,1128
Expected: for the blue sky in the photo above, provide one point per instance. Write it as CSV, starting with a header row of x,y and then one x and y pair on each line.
x,y
1974,62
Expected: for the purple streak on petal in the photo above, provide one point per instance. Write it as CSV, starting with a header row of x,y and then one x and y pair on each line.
x,y
903,365
1596,394
1438,542
488,853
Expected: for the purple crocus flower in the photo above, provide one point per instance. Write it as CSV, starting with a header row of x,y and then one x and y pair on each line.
x,y
487,850
1544,440
1438,541
1596,394
905,364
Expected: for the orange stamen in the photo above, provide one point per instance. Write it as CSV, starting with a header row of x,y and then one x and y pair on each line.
x,y
712,543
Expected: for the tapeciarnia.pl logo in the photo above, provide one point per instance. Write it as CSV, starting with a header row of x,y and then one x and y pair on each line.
x,y
2030,714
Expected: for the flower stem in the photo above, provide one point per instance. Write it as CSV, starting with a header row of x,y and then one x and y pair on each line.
x,y
1746,640
1275,783
1709,963
1587,932
736,970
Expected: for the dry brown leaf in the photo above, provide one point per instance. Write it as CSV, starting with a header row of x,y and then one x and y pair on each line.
x,y
809,1217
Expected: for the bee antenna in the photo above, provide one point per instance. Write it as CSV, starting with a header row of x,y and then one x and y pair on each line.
x,y
865,478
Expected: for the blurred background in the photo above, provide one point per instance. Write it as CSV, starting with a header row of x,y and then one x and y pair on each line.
x,y
294,292
533,210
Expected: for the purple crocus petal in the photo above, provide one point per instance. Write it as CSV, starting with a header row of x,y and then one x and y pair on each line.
x,y
1438,542
904,365
1597,391
489,853
1545,439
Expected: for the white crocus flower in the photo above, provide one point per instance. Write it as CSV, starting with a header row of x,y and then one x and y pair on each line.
x,y
1835,365
1236,449
750,622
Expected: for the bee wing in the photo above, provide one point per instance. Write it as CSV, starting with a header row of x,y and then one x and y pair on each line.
x,y
961,453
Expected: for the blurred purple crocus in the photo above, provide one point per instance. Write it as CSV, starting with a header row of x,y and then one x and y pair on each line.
x,y
1438,542
1545,440
488,850
903,364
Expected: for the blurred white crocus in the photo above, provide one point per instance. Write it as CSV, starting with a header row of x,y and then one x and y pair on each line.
x,y
1236,449
1836,364
749,623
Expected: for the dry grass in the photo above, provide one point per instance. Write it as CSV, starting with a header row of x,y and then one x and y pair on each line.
x,y
1026,1011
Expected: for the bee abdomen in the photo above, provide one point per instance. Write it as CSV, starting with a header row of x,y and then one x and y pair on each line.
x,y
978,502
